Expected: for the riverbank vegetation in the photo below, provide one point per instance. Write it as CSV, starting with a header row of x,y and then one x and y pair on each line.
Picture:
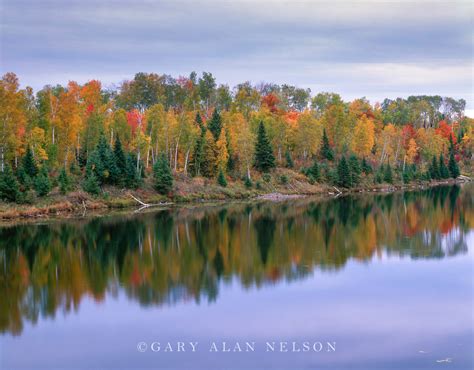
x,y
187,137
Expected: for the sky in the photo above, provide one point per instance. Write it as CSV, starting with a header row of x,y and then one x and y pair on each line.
x,y
375,49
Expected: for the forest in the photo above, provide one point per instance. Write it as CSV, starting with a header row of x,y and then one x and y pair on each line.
x,y
155,131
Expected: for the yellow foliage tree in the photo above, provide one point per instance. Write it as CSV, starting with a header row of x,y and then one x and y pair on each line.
x,y
364,136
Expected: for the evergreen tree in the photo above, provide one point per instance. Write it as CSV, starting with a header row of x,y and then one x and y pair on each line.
x,y
366,168
9,188
343,173
110,172
387,175
221,180
29,163
289,160
91,183
209,165
25,181
313,172
434,169
42,183
248,183
453,166
443,170
326,151
215,124
162,175
64,181
120,160
132,177
264,158
198,154
355,168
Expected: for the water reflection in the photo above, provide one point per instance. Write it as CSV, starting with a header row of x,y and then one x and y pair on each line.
x,y
182,254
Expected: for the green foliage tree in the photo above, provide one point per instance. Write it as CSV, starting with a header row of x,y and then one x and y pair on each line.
x,y
64,181
356,169
215,124
344,174
453,166
264,158
366,167
221,180
132,176
163,179
387,174
434,171
120,161
42,182
326,150
443,169
248,182
9,187
29,163
289,160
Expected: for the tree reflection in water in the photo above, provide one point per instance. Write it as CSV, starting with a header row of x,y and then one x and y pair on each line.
x,y
184,253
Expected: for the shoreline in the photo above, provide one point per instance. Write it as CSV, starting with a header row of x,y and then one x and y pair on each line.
x,y
80,204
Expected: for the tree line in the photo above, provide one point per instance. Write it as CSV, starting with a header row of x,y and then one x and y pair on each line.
x,y
154,126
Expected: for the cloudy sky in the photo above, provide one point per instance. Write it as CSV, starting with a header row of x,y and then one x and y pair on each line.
x,y
375,49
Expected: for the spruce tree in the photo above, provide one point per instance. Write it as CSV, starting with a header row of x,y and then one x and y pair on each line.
x,y
29,163
42,183
289,160
313,172
9,188
162,175
209,164
355,168
443,170
387,175
366,168
326,151
264,158
453,166
120,160
221,180
91,183
248,182
64,181
434,169
343,173
215,124
198,154
132,177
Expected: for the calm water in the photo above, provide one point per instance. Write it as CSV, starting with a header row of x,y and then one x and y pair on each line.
x,y
386,279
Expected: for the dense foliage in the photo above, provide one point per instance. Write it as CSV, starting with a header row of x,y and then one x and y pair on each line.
x,y
95,137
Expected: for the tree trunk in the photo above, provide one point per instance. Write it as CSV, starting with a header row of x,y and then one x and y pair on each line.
x,y
186,162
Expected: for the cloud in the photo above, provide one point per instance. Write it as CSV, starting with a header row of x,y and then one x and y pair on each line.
x,y
348,46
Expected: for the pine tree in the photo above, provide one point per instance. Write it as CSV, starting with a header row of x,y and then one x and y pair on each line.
x,y
64,181
9,188
366,168
198,154
453,166
221,180
443,170
132,177
109,171
326,151
29,163
289,160
248,183
434,169
209,165
42,183
343,173
91,184
120,160
355,169
264,158
387,175
313,172
215,124
162,175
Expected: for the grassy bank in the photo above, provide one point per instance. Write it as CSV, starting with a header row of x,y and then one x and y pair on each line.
x,y
280,184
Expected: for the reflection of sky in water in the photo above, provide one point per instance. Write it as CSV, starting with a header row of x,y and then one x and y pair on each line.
x,y
381,314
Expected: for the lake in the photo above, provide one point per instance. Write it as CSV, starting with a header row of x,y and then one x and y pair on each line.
x,y
373,281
